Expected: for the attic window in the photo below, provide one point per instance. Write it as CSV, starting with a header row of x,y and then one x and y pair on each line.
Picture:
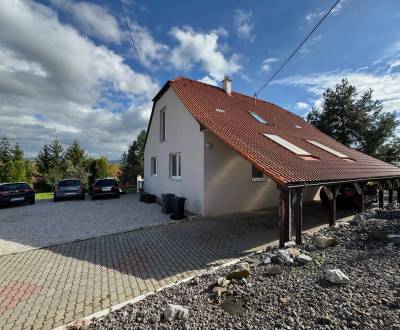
x,y
286,144
258,118
330,150
220,110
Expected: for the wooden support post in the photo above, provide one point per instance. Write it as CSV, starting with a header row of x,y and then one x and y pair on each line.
x,y
298,214
390,195
398,195
381,191
332,192
360,187
285,217
396,185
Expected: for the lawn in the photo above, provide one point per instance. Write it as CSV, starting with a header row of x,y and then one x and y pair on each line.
x,y
46,195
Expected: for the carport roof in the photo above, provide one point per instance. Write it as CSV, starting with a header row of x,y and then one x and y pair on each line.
x,y
235,126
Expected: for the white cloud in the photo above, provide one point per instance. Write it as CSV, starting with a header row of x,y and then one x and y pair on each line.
x,y
201,48
56,82
244,25
386,86
314,16
209,80
94,19
302,106
266,64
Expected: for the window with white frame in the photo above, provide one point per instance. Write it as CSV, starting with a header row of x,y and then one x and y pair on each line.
x,y
153,163
175,166
162,125
257,175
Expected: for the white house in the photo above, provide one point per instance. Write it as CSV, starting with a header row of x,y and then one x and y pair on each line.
x,y
226,152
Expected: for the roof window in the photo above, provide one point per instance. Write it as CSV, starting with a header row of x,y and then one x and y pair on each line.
x,y
220,110
258,118
330,150
287,145
298,126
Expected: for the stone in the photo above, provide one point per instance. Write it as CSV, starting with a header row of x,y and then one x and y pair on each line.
x,y
267,261
336,276
253,262
393,238
223,282
284,257
273,270
293,252
219,291
325,241
304,259
176,312
289,244
376,235
284,300
242,270
81,324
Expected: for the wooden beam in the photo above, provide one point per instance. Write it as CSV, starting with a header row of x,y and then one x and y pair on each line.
x,y
298,214
332,192
285,217
381,191
360,187
398,195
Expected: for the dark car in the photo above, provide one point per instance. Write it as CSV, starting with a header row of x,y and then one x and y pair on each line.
x,y
348,196
105,187
16,193
69,189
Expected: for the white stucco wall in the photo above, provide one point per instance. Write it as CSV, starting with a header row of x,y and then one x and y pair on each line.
x,y
182,135
228,185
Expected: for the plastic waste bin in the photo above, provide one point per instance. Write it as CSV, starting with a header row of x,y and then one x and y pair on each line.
x,y
149,198
178,208
167,203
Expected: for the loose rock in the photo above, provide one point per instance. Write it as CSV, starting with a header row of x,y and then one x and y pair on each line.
x,y
336,276
325,242
242,270
176,312
304,259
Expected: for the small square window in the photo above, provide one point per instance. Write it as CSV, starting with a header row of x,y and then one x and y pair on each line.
x,y
175,166
257,175
154,169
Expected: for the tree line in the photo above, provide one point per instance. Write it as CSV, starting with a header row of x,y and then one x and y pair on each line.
x,y
54,163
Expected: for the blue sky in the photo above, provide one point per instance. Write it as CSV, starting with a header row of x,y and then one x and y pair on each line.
x,y
68,69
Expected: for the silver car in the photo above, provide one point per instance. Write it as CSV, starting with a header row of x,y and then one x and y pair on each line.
x,y
68,189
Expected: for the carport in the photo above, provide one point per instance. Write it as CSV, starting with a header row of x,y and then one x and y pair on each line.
x,y
291,202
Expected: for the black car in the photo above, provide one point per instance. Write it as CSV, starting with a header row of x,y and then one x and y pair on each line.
x,y
348,196
105,187
69,189
16,193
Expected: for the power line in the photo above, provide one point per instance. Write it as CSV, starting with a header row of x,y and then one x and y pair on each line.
x,y
134,46
297,48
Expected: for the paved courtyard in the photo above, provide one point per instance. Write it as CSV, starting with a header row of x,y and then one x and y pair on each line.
x,y
48,287
24,228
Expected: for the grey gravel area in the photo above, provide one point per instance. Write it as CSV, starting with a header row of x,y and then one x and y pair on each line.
x,y
290,296
23,228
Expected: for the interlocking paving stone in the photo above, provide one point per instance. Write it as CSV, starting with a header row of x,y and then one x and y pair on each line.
x,y
51,286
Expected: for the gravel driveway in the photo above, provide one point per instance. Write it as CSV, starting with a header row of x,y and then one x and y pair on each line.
x,y
23,228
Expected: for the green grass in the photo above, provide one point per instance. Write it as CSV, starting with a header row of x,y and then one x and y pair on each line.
x,y
46,195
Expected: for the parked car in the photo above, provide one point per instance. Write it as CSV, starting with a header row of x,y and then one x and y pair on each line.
x,y
16,193
105,187
69,189
348,195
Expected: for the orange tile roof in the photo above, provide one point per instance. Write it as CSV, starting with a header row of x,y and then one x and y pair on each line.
x,y
238,129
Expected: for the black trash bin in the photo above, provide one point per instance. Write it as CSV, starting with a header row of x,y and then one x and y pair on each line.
x,y
167,203
142,195
149,198
178,208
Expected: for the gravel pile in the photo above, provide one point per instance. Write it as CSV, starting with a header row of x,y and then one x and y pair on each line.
x,y
290,288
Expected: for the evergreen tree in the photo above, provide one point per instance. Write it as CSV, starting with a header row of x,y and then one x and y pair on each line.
x,y
358,122
18,171
56,156
5,151
31,172
8,172
18,154
76,163
102,167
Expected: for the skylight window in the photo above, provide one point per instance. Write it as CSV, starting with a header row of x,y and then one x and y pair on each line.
x,y
258,118
220,110
287,145
330,150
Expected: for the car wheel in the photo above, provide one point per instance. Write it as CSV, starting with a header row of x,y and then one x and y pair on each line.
x,y
118,196
55,199
31,202
93,197
83,197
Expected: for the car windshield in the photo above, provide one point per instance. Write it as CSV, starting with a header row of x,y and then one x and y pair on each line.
x,y
105,182
14,186
69,183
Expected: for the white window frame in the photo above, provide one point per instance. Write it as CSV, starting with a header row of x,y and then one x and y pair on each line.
x,y
257,179
178,165
327,149
162,125
155,167
257,117
287,145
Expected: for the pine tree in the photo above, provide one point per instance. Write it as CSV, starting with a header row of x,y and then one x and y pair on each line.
x,y
76,163
5,151
358,122
102,167
18,154
56,153
8,172
18,173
